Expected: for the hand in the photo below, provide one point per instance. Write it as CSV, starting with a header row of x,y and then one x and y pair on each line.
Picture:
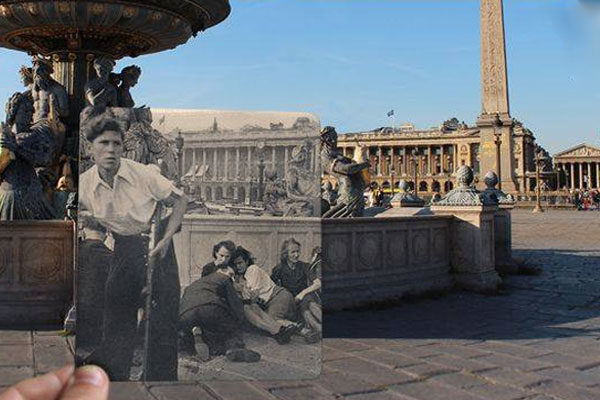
x,y
89,382
161,248
299,297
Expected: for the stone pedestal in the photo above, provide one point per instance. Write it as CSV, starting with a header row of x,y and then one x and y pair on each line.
x,y
502,224
503,240
473,250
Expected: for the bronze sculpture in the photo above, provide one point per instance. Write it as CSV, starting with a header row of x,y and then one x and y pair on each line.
x,y
349,175
301,185
101,92
128,77
26,145
275,194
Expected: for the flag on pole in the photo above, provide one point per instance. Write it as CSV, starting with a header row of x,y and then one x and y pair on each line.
x,y
390,113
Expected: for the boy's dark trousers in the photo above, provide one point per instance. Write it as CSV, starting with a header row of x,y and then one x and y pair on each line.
x,y
123,297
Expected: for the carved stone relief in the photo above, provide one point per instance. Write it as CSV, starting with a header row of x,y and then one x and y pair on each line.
x,y
44,261
420,246
396,249
337,253
369,250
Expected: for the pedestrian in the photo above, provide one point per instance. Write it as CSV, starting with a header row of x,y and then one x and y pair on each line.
x,y
122,196
267,306
221,253
293,274
212,304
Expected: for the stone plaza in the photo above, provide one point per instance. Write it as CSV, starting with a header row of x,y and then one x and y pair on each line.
x,y
536,340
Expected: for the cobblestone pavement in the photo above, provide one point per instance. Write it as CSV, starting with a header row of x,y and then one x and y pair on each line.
x,y
537,341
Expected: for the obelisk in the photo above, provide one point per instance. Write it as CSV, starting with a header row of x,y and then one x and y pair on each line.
x,y
495,119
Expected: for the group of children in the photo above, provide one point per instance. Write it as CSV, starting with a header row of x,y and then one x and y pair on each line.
x,y
234,295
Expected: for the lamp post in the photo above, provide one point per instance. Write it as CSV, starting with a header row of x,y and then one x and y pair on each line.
x,y
538,187
179,142
498,141
415,154
393,174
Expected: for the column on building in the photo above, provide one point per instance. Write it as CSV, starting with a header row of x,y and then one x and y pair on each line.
x,y
572,176
194,162
226,150
249,166
286,160
589,175
442,160
580,175
203,161
380,160
237,164
597,175
393,160
405,152
431,159
215,170
273,155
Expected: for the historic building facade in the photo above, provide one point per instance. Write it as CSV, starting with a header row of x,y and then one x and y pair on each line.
x,y
435,153
223,165
578,167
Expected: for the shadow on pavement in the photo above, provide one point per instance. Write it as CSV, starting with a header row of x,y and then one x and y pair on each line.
x,y
559,302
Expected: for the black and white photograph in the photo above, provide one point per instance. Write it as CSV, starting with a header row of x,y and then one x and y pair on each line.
x,y
199,254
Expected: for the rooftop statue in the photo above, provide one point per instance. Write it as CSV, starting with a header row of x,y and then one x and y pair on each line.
x,y
102,92
349,175
301,185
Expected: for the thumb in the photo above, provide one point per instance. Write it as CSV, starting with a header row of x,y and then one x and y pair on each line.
x,y
90,383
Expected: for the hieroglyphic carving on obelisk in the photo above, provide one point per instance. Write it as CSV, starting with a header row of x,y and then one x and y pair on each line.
x,y
494,77
495,119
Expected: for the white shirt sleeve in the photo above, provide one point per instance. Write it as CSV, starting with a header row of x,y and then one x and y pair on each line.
x,y
159,187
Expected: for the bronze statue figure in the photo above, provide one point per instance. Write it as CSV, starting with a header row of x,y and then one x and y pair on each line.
x,y
19,109
49,96
301,185
101,92
129,77
275,194
30,144
349,175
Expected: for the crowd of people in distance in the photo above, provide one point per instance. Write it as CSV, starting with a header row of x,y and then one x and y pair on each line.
x,y
234,295
585,199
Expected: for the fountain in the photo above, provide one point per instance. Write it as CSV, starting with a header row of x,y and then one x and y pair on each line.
x,y
66,38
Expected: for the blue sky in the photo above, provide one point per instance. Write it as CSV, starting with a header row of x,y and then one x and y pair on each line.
x,y
351,61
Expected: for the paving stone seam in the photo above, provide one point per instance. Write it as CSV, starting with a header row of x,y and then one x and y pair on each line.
x,y
211,392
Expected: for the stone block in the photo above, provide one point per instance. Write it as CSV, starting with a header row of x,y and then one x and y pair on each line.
x,y
473,248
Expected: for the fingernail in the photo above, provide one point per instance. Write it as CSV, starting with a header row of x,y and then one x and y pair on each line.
x,y
90,375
